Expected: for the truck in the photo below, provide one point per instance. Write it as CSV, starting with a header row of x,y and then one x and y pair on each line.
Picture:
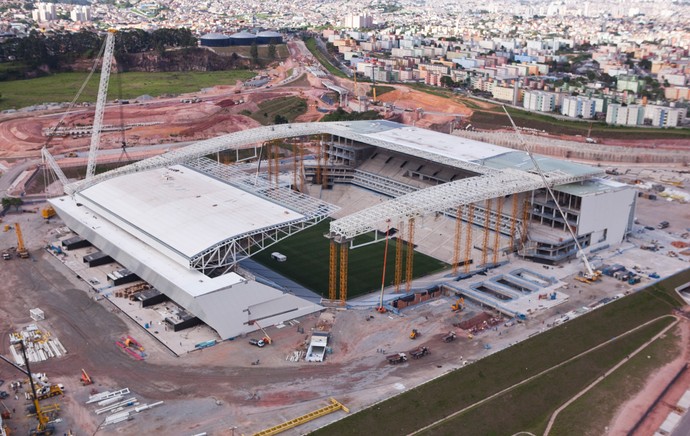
x,y
663,225
396,358
419,352
450,337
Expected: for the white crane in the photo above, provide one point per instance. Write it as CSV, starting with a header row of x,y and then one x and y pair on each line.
x,y
100,103
590,274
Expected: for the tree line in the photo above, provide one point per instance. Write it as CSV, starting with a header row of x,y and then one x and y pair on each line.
x,y
58,51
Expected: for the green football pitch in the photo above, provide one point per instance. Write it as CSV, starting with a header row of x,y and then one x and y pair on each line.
x,y
308,262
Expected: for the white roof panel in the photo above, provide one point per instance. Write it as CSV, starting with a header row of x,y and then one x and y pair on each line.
x,y
188,211
441,144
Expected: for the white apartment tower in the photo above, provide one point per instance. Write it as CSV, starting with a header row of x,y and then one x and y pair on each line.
x,y
81,14
355,21
578,107
632,115
44,12
542,101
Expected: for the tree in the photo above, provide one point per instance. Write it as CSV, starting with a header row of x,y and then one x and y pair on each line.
x,y
279,119
12,201
447,82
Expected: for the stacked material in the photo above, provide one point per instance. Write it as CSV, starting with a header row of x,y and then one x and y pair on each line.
x,y
118,408
40,345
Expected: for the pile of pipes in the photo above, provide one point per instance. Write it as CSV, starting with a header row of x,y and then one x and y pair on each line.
x,y
295,356
39,344
118,406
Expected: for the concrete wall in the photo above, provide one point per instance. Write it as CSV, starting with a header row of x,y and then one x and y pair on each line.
x,y
607,216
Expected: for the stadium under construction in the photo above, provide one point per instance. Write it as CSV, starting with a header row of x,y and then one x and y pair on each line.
x,y
182,221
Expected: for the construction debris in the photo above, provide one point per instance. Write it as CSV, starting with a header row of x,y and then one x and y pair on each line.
x,y
130,346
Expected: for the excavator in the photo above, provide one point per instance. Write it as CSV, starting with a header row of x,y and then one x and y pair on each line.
x,y
459,305
44,427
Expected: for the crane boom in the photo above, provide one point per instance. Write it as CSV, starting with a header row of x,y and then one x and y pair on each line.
x,y
21,249
100,102
50,160
590,274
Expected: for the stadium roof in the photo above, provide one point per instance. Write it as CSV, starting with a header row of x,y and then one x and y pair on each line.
x,y
243,34
187,212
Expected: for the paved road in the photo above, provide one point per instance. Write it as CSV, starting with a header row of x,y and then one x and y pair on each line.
x,y
12,173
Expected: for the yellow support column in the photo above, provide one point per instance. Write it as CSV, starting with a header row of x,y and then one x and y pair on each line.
x,y
487,230
497,229
458,238
333,272
468,237
344,249
410,255
398,256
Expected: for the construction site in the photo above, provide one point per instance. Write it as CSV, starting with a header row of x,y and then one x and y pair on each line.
x,y
166,321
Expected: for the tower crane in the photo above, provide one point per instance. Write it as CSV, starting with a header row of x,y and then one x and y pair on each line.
x,y
100,103
590,274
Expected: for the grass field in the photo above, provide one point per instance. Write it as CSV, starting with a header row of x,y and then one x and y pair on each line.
x,y
307,262
63,87
289,107
527,407
311,45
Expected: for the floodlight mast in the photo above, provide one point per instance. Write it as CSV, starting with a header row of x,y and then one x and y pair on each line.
x,y
589,274
100,102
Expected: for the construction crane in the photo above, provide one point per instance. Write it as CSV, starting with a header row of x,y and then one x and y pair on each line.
x,y
21,249
44,427
100,103
589,275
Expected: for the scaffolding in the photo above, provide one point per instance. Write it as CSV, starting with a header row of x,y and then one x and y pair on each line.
x,y
497,232
410,255
398,257
468,237
456,240
487,232
333,407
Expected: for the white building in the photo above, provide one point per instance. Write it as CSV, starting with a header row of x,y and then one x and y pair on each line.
x,y
632,115
44,12
578,107
356,21
542,101
81,14
663,116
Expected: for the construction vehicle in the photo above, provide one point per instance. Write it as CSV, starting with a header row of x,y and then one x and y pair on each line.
x,y
419,352
450,337
132,343
48,212
44,427
45,392
267,339
414,333
396,358
21,249
258,342
85,378
459,305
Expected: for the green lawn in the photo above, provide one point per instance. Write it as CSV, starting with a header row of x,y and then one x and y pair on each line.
x,y
307,262
288,107
528,407
311,45
63,87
